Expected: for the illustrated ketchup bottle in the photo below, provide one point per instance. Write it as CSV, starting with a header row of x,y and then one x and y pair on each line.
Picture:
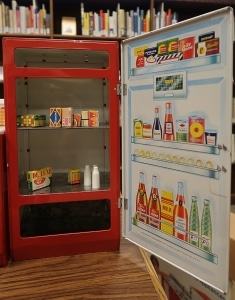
x,y
154,205
168,133
141,200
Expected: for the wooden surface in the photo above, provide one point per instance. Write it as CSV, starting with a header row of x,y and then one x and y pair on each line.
x,y
111,275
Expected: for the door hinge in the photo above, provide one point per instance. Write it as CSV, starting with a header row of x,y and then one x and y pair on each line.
x,y
122,202
121,89
124,89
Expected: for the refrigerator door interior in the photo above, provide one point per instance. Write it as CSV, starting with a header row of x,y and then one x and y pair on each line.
x,y
176,139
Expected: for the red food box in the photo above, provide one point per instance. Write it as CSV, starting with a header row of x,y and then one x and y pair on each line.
x,y
208,47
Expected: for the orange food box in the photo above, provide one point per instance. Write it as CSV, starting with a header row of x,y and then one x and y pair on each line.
x,y
93,118
2,116
77,120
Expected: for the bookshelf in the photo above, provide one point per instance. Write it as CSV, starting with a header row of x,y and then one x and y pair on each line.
x,y
71,8
56,9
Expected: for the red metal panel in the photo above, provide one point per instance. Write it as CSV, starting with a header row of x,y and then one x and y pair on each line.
x,y
4,247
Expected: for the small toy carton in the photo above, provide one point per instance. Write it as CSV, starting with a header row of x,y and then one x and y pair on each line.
x,y
38,179
74,176
55,117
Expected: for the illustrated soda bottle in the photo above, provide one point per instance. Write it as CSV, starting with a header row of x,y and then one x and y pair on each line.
x,y
168,133
180,215
206,227
154,205
157,127
141,200
194,225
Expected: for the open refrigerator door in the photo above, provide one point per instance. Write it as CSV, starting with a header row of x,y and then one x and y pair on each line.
x,y
176,137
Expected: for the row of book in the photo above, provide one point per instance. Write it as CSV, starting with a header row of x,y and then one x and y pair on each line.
x,y
122,23
21,19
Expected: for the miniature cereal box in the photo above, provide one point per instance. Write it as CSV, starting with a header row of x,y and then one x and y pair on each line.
x,y
39,178
93,118
55,116
67,117
2,113
77,120
167,208
74,176
32,120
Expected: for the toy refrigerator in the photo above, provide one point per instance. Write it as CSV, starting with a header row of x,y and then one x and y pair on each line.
x,y
177,123
4,246
62,118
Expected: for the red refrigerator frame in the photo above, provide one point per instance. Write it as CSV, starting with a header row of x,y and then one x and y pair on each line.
x,y
4,247
71,243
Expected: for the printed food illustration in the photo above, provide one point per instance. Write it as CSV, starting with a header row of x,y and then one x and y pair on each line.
x,y
169,213
177,107
177,49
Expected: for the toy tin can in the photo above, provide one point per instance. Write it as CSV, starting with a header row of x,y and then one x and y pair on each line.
x,y
196,129
182,130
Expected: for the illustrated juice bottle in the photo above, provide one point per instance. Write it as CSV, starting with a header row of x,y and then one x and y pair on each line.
x,y
157,127
206,227
168,133
194,225
141,200
154,205
180,215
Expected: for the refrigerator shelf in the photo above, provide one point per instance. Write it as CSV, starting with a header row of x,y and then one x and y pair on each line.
x,y
60,185
179,64
178,145
196,170
101,126
183,246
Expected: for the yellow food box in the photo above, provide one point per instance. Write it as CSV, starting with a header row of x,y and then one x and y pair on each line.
x,y
167,209
32,120
74,176
38,179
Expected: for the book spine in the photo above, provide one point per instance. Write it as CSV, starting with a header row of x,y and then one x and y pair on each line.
x,y
86,23
115,23
135,24
82,17
91,23
48,26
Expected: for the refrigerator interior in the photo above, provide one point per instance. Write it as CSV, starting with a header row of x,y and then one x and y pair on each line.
x,y
62,148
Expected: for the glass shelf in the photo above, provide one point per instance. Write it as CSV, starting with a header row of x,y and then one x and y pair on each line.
x,y
60,185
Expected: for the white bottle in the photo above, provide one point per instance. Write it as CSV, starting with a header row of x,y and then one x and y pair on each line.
x,y
87,176
95,178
